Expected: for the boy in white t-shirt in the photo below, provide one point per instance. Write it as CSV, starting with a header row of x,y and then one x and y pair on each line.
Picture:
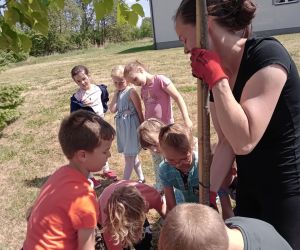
x,y
88,97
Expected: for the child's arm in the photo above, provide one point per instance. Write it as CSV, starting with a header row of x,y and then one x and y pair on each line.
x,y
135,98
224,196
113,104
173,92
226,207
170,198
86,239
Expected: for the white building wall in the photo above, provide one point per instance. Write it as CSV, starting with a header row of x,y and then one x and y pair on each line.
x,y
276,17
162,17
270,20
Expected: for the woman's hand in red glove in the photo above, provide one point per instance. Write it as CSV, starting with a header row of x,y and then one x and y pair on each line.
x,y
206,65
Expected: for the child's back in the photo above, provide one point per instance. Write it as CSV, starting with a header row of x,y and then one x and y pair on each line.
x,y
66,202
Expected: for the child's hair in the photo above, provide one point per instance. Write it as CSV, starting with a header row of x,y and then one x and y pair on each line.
x,y
148,132
126,213
193,226
79,68
177,136
117,71
83,130
133,66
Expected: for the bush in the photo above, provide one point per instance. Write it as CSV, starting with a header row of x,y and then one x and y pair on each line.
x,y
11,57
10,98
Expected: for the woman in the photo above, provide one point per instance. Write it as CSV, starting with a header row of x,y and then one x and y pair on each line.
x,y
255,108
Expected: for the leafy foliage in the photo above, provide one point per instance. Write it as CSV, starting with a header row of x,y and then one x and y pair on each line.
x,y
10,98
23,15
146,28
11,57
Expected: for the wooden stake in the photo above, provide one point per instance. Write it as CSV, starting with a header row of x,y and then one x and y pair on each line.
x,y
204,151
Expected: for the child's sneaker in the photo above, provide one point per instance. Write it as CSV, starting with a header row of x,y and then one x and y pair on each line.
x,y
142,181
110,175
94,183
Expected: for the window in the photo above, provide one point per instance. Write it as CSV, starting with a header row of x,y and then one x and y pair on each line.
x,y
279,2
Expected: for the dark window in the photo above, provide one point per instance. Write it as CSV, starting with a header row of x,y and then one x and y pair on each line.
x,y
279,2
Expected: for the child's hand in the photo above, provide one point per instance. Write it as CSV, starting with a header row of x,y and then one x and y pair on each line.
x,y
87,101
206,65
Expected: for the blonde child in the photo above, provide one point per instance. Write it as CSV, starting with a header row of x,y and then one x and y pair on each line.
x,y
157,92
65,213
148,133
88,97
126,103
123,208
195,226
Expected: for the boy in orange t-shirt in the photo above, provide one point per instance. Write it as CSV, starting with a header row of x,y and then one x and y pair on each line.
x,y
64,215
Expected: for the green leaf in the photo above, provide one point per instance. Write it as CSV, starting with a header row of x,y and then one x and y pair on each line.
x,y
41,26
60,4
138,9
12,16
123,11
133,18
99,10
108,5
4,43
86,1
25,42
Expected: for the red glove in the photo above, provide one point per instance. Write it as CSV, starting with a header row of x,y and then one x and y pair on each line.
x,y
206,65
212,200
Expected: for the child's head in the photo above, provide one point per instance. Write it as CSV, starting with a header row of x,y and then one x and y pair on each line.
x,y
193,226
176,143
135,73
117,75
80,75
126,212
148,133
83,134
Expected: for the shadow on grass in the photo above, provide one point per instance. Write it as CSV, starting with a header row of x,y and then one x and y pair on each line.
x,y
137,49
36,181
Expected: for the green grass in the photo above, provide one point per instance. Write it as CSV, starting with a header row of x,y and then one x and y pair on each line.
x,y
29,149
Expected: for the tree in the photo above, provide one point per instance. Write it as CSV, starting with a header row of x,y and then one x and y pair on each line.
x,y
146,28
23,15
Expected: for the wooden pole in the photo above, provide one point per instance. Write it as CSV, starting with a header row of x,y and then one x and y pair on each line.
x,y
204,151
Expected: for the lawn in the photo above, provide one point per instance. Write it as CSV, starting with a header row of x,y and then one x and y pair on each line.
x,y
29,149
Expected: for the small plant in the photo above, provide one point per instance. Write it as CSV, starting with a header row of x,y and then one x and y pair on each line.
x,y
10,98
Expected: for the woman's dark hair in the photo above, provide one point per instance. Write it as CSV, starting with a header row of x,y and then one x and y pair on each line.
x,y
232,14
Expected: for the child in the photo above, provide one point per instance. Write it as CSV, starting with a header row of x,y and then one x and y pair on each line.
x,y
149,139
195,226
156,92
148,133
180,168
64,215
127,104
123,208
89,96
